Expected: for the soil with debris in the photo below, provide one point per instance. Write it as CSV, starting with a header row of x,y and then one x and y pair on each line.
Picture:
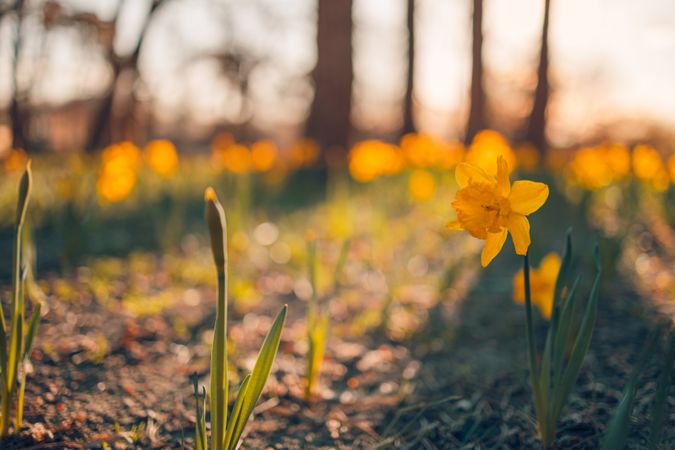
x,y
103,376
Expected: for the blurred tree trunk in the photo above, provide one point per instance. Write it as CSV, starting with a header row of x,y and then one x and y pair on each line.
x,y
408,99
115,118
536,125
19,131
476,119
329,120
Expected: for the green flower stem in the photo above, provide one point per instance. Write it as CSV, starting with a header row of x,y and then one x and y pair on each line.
x,y
532,353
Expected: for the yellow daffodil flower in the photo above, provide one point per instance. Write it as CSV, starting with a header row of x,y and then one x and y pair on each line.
x,y
488,207
486,147
421,185
371,159
542,284
649,167
162,157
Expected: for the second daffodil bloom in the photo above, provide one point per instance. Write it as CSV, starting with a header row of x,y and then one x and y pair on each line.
x,y
489,207
542,282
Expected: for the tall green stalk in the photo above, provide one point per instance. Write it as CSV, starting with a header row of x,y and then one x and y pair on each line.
x,y
15,351
532,353
225,434
215,219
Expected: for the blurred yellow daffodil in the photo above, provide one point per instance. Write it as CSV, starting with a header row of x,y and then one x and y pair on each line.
x,y
162,157
15,161
118,173
115,182
489,207
649,167
424,150
371,159
486,147
263,155
421,185
542,284
596,167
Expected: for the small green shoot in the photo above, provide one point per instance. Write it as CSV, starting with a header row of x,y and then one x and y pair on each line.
x,y
318,319
225,434
17,341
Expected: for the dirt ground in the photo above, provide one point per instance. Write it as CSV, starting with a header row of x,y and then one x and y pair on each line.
x,y
103,375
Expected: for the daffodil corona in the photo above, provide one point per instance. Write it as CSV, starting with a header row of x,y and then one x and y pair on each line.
x,y
490,207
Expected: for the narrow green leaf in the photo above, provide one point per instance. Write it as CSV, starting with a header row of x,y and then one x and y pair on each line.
x,y
14,352
33,324
566,329
563,278
236,413
200,421
581,344
261,371
317,336
219,369
619,426
18,413
339,266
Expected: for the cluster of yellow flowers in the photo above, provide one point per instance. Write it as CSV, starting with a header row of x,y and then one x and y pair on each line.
x,y
261,156
650,168
425,151
599,166
122,161
228,155
371,159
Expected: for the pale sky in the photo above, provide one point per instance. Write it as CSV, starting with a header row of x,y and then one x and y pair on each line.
x,y
610,59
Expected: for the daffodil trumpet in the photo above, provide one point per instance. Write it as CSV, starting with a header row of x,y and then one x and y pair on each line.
x,y
552,379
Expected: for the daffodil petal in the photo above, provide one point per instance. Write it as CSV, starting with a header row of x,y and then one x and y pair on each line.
x,y
493,244
503,183
465,172
519,227
527,196
454,225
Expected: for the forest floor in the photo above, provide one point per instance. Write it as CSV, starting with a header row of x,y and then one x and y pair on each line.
x,y
103,375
